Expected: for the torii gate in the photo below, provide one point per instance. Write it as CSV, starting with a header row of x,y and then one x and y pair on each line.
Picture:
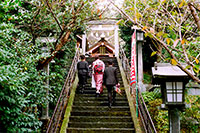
x,y
98,30
108,30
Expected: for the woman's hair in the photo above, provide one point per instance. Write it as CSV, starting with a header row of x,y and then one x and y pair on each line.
x,y
96,57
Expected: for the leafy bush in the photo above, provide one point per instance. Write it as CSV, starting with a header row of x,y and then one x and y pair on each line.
x,y
147,78
23,87
150,96
190,118
159,117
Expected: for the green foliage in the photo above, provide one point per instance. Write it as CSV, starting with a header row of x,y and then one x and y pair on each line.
x,y
126,34
23,87
147,78
149,96
159,117
189,117
168,23
59,71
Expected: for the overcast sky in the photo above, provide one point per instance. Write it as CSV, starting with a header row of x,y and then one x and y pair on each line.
x,y
103,3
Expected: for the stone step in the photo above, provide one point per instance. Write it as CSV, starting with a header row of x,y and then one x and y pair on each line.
x,y
99,103
88,91
101,108
105,98
102,95
101,124
100,113
89,80
101,118
91,114
104,89
100,130
88,84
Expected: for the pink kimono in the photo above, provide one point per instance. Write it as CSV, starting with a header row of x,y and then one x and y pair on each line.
x,y
98,76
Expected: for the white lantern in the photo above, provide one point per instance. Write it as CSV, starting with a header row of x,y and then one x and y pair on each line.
x,y
174,93
140,35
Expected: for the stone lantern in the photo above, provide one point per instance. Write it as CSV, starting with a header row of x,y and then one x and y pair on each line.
x,y
172,81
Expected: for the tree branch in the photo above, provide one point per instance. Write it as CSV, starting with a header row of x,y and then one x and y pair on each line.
x,y
32,28
73,7
63,40
190,74
173,56
54,15
195,15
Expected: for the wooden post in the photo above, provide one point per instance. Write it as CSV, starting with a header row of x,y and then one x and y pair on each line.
x,y
174,120
116,41
84,43
45,110
140,67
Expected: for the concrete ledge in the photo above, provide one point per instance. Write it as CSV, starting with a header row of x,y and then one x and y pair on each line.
x,y
193,88
130,98
69,107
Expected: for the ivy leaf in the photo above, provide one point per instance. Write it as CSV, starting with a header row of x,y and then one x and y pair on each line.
x,y
168,41
187,67
182,4
138,15
182,41
173,62
118,22
196,68
159,34
144,28
196,60
153,53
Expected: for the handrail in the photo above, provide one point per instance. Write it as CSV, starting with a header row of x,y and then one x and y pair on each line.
x,y
53,125
142,109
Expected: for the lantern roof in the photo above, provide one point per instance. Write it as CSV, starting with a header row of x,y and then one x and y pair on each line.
x,y
168,70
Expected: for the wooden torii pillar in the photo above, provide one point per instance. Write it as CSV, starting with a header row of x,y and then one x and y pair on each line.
x,y
84,37
116,35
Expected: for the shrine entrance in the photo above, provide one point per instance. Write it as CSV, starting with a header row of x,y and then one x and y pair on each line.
x,y
101,38
102,48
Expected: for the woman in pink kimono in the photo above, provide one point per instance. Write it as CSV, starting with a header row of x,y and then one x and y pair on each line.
x,y
98,68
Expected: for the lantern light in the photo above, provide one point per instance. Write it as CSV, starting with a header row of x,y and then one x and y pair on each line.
x,y
140,35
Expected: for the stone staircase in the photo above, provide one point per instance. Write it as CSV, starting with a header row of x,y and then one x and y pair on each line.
x,y
92,115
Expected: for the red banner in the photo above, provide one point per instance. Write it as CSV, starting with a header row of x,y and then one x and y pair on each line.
x,y
133,59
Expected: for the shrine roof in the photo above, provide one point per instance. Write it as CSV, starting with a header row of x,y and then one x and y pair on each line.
x,y
102,22
98,44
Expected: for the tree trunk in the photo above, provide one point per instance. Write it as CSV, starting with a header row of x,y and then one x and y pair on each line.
x,y
44,62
